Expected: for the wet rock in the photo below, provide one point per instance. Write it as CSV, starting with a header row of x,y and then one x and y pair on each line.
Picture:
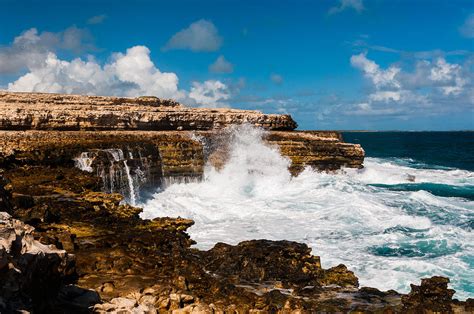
x,y
263,260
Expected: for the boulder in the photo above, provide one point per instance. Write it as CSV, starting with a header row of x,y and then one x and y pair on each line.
x,y
31,273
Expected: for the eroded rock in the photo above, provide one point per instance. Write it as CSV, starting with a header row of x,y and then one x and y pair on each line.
x,y
31,273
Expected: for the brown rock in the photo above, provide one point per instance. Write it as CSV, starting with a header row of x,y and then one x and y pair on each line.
x,y
431,296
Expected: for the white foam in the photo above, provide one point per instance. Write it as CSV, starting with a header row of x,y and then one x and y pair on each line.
x,y
382,171
339,215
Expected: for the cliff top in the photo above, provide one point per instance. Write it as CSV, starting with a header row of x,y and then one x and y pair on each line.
x,y
42,111
66,99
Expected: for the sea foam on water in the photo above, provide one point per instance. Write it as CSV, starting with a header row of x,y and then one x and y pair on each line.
x,y
388,237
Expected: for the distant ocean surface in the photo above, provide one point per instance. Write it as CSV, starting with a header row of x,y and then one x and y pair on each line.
x,y
408,214
419,149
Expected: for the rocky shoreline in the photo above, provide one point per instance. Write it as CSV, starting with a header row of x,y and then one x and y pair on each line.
x,y
69,244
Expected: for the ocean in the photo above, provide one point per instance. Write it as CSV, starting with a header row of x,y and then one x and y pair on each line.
x,y
408,214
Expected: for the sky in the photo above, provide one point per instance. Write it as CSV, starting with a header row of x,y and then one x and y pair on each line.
x,y
331,64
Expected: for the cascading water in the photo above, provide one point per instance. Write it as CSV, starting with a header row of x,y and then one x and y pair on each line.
x,y
389,236
114,170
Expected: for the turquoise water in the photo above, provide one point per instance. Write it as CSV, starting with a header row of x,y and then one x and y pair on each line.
x,y
448,151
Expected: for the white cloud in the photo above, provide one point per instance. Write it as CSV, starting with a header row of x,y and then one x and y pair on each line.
x,y
433,87
276,78
201,35
385,96
98,19
356,5
31,48
210,93
136,67
379,77
129,74
467,29
450,75
221,65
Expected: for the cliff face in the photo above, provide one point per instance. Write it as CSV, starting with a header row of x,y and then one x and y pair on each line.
x,y
36,111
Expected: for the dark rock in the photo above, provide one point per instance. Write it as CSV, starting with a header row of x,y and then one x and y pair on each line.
x,y
433,295
264,260
31,273
5,194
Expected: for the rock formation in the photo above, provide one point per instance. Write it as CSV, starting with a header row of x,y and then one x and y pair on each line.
x,y
68,181
31,273
36,111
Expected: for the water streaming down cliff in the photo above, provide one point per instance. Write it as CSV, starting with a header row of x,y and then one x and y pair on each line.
x,y
112,166
387,235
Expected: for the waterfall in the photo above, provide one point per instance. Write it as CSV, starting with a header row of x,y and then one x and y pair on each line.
x,y
131,187
119,174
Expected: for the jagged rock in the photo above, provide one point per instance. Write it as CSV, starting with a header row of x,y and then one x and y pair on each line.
x,y
36,111
339,275
264,260
432,296
31,273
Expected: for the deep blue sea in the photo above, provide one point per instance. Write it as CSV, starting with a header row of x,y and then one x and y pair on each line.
x,y
419,149
408,214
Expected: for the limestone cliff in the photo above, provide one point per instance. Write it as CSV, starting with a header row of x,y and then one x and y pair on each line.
x,y
36,111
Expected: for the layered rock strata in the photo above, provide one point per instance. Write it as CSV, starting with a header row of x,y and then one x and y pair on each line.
x,y
36,111
146,125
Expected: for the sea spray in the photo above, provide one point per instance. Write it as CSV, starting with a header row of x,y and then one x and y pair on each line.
x,y
389,237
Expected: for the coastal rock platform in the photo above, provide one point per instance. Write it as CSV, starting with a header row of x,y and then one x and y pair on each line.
x,y
73,242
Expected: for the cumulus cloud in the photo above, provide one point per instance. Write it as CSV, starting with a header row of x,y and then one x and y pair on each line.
x,y
210,93
449,75
201,35
129,74
31,48
98,19
379,77
276,78
430,88
221,65
467,29
356,5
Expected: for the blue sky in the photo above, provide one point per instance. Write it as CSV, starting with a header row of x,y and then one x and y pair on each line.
x,y
331,64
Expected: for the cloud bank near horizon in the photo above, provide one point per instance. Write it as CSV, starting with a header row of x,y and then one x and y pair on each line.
x,y
130,74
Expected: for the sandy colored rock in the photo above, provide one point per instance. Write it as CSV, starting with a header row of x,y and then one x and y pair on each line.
x,y
39,111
